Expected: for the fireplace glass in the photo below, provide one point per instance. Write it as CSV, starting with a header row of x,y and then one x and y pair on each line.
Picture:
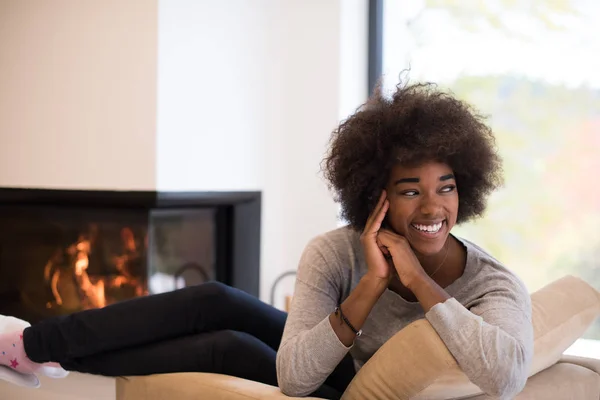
x,y
58,260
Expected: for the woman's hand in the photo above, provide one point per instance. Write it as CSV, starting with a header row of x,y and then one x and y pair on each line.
x,y
378,267
405,261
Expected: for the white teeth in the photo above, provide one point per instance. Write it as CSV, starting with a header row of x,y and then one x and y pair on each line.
x,y
429,228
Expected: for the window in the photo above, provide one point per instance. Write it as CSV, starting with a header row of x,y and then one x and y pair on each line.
x,y
533,68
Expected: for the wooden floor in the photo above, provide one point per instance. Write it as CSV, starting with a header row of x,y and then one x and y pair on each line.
x,y
74,387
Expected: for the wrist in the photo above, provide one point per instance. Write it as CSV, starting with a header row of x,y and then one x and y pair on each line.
x,y
418,281
374,284
428,292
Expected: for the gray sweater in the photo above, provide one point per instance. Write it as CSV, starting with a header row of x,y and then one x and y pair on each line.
x,y
486,324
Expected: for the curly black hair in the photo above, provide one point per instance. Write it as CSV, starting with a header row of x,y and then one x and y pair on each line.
x,y
418,123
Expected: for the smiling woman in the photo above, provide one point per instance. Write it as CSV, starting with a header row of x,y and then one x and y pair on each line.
x,y
423,205
406,170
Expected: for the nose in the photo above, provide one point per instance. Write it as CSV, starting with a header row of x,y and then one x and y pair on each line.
x,y
430,205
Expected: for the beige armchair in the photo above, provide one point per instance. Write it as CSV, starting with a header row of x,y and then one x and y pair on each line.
x,y
562,312
571,378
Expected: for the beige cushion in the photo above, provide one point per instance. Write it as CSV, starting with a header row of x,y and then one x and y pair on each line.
x,y
416,364
562,312
194,386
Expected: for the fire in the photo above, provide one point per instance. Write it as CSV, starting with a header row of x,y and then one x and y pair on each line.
x,y
90,291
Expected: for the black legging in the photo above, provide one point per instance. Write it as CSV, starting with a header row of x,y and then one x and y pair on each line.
x,y
206,328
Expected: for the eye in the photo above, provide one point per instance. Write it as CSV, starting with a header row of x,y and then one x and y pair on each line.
x,y
409,193
448,189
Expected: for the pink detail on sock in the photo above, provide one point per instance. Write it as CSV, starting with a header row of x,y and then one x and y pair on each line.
x,y
21,336
13,355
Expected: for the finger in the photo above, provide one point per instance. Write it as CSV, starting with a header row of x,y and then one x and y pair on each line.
x,y
392,240
375,212
382,239
376,209
388,238
383,249
390,234
380,216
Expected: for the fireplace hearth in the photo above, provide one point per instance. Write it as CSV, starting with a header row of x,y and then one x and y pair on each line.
x,y
63,251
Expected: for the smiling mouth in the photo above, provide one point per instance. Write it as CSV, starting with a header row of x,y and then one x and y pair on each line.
x,y
429,230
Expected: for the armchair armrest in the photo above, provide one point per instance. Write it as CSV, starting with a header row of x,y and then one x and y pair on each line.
x,y
194,385
592,364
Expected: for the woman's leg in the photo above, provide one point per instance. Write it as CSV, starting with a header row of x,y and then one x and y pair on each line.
x,y
224,352
142,321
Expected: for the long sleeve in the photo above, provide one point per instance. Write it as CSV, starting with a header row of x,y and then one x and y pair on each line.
x,y
493,340
310,350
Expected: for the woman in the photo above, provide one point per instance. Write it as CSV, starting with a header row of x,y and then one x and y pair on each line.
x,y
405,171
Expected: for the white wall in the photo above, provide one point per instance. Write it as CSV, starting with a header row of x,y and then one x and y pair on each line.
x,y
78,94
249,93
212,91
184,95
354,53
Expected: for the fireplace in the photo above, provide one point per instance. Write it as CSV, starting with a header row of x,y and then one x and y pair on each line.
x,y
62,251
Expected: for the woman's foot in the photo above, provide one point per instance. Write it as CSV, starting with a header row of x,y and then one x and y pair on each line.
x,y
15,365
12,353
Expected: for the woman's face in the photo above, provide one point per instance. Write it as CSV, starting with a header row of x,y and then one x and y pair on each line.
x,y
423,205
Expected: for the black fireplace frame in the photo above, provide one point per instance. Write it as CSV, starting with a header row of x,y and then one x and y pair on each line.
x,y
238,218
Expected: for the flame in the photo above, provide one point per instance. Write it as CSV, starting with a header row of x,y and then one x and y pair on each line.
x,y
82,263
92,289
